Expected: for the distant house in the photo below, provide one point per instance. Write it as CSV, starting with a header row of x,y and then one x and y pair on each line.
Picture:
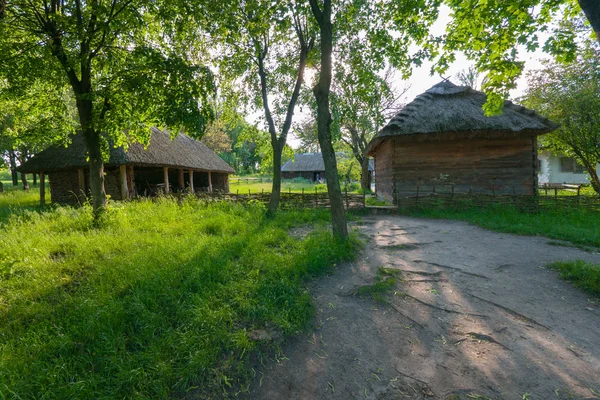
x,y
166,165
557,168
444,136
308,166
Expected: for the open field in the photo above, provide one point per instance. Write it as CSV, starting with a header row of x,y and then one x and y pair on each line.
x,y
159,299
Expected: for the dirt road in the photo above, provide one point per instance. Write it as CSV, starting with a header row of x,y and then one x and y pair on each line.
x,y
475,314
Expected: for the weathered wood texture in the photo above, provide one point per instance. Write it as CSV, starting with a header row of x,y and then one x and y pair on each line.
x,y
485,166
384,162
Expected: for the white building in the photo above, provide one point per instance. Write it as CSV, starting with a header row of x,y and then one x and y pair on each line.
x,y
555,168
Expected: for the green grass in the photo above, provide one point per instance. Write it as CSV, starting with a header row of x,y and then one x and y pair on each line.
x,y
582,274
159,299
385,281
374,201
576,226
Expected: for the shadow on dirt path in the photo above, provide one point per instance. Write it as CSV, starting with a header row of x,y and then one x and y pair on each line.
x,y
474,315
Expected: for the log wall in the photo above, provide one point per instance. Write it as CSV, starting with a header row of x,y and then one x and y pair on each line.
x,y
384,178
499,165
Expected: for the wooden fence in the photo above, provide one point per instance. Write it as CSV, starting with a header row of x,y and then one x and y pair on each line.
x,y
435,199
289,199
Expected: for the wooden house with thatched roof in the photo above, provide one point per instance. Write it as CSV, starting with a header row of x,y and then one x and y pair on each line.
x,y
443,136
308,166
166,165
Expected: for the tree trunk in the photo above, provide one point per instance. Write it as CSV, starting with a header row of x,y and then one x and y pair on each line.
x,y
591,9
365,176
96,165
24,181
23,158
321,92
276,189
13,168
34,179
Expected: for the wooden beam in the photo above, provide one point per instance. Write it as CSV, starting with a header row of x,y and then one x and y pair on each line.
x,y
166,179
181,180
81,180
192,180
42,188
123,180
209,182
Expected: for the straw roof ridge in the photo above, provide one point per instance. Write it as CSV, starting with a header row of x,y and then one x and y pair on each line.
x,y
446,107
179,152
309,162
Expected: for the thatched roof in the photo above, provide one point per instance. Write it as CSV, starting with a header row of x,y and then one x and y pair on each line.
x,y
447,108
180,152
309,162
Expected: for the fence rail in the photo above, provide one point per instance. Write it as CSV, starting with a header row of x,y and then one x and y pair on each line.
x,y
437,199
290,199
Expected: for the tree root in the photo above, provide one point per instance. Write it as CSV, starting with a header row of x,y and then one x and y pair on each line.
x,y
406,316
451,268
442,308
483,338
511,312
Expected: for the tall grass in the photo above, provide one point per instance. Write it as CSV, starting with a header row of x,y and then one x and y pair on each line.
x,y
582,274
577,226
161,299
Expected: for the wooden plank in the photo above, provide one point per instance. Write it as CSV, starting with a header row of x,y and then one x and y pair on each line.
x,y
192,180
81,181
42,188
210,188
180,180
166,179
123,181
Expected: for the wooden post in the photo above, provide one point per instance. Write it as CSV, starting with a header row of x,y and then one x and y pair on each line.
x,y
180,180
346,191
166,179
42,188
81,182
123,181
364,199
192,180
210,182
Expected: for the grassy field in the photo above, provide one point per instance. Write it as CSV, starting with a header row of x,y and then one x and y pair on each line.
x,y
158,300
583,275
576,226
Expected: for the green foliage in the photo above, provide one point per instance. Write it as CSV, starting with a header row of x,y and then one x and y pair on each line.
x,y
127,63
576,225
160,299
582,274
385,281
569,94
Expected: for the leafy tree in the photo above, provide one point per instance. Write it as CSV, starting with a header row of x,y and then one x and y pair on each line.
x,y
267,48
126,62
364,102
215,137
569,94
31,120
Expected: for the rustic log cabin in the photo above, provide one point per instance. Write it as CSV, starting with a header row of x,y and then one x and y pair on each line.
x,y
166,165
443,139
310,166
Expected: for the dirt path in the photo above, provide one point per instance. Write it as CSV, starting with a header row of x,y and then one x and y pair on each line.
x,y
476,314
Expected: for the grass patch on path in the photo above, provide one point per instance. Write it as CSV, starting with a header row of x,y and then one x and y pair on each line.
x,y
576,226
162,299
385,281
582,274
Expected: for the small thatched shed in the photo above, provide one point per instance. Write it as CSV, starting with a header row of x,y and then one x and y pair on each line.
x,y
308,166
165,165
443,136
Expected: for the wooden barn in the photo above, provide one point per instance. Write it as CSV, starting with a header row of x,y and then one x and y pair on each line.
x,y
443,138
166,165
309,166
